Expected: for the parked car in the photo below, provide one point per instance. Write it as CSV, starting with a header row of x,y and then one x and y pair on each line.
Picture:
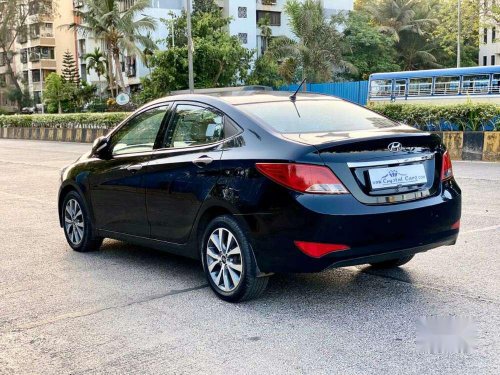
x,y
258,183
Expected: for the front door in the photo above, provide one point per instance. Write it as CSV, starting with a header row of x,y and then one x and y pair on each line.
x,y
183,172
117,182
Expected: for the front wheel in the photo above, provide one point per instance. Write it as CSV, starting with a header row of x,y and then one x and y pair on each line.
x,y
393,263
77,225
228,261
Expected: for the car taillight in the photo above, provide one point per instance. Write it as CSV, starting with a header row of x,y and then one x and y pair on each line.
x,y
317,250
446,168
305,178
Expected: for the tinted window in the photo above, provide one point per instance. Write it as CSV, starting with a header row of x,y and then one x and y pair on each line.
x,y
195,126
312,116
139,134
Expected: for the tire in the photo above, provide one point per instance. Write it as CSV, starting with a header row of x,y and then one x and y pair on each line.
x,y
229,265
393,263
77,225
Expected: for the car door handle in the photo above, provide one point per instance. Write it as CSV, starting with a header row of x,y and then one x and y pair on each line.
x,y
135,168
203,161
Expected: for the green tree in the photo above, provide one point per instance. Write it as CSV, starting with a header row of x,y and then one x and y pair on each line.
x,y
57,90
409,23
96,61
317,50
265,72
121,30
367,49
219,58
266,32
70,71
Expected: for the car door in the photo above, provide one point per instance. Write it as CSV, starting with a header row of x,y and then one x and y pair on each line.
x,y
117,182
183,172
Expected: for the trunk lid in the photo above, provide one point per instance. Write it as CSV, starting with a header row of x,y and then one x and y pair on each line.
x,y
381,166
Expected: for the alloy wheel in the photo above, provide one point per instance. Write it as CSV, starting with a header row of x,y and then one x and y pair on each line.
x,y
73,222
224,260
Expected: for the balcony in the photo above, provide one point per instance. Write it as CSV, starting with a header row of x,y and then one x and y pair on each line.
x,y
44,64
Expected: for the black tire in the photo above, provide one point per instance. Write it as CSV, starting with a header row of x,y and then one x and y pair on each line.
x,y
393,263
88,241
249,285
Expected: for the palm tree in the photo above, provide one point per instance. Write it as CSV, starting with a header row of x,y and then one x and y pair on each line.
x,y
96,61
398,16
317,50
410,23
119,28
266,32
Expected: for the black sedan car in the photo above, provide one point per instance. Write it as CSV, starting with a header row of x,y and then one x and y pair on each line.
x,y
258,183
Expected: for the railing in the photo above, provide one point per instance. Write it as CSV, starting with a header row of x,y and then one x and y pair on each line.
x,y
440,88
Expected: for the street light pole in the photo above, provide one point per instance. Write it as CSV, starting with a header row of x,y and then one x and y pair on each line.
x,y
190,47
459,49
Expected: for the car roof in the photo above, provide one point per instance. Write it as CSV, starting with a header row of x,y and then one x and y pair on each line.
x,y
245,97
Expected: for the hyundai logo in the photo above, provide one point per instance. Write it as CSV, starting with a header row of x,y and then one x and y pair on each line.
x,y
395,147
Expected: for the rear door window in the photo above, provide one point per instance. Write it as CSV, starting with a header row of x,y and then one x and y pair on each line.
x,y
315,116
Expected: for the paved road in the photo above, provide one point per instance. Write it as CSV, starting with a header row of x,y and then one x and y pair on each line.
x,y
131,310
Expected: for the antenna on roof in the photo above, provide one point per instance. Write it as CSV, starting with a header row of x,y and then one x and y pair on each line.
x,y
293,97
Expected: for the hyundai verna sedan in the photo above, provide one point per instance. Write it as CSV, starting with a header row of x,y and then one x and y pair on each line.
x,y
261,183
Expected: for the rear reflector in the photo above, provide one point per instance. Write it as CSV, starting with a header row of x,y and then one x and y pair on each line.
x,y
446,168
305,178
317,250
456,225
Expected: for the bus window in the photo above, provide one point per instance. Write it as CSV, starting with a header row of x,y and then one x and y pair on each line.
x,y
400,87
420,87
495,84
381,87
447,85
478,84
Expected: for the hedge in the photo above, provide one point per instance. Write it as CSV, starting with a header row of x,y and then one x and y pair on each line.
x,y
73,120
467,116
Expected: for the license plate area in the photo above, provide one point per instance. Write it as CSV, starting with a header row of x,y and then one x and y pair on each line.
x,y
398,176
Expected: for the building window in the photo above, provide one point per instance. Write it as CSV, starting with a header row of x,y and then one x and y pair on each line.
x,y
2,59
242,12
485,36
493,34
493,60
24,56
35,76
131,65
243,38
274,17
485,60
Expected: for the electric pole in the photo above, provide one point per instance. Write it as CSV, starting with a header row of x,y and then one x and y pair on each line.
x,y
190,47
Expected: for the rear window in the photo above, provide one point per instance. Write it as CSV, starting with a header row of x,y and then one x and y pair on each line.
x,y
316,116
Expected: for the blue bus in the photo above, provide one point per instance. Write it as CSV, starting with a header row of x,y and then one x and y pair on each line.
x,y
438,86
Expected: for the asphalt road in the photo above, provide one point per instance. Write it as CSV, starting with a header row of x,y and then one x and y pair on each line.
x,y
127,310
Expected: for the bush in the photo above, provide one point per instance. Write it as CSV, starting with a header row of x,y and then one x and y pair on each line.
x,y
73,120
468,116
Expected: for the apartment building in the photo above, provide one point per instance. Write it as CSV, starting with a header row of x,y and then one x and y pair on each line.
x,y
489,48
40,47
245,16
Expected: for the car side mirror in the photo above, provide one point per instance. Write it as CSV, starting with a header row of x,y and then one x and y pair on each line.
x,y
100,145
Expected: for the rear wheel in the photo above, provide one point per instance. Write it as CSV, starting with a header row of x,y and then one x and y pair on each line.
x,y
228,261
393,263
78,227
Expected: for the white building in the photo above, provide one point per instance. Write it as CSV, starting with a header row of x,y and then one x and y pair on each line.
x,y
489,47
245,15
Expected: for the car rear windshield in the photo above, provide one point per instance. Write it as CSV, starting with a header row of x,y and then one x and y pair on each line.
x,y
316,116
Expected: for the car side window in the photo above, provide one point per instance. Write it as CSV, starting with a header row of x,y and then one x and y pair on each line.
x,y
139,134
195,126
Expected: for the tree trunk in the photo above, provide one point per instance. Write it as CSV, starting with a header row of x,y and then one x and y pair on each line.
x,y
118,67
59,107
110,73
13,77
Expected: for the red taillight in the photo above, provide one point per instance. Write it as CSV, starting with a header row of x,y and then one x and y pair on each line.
x,y
446,168
456,225
305,178
317,250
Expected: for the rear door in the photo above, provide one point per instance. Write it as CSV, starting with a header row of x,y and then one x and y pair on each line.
x,y
184,170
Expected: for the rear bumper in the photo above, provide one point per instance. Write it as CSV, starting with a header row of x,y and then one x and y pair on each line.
x,y
373,233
